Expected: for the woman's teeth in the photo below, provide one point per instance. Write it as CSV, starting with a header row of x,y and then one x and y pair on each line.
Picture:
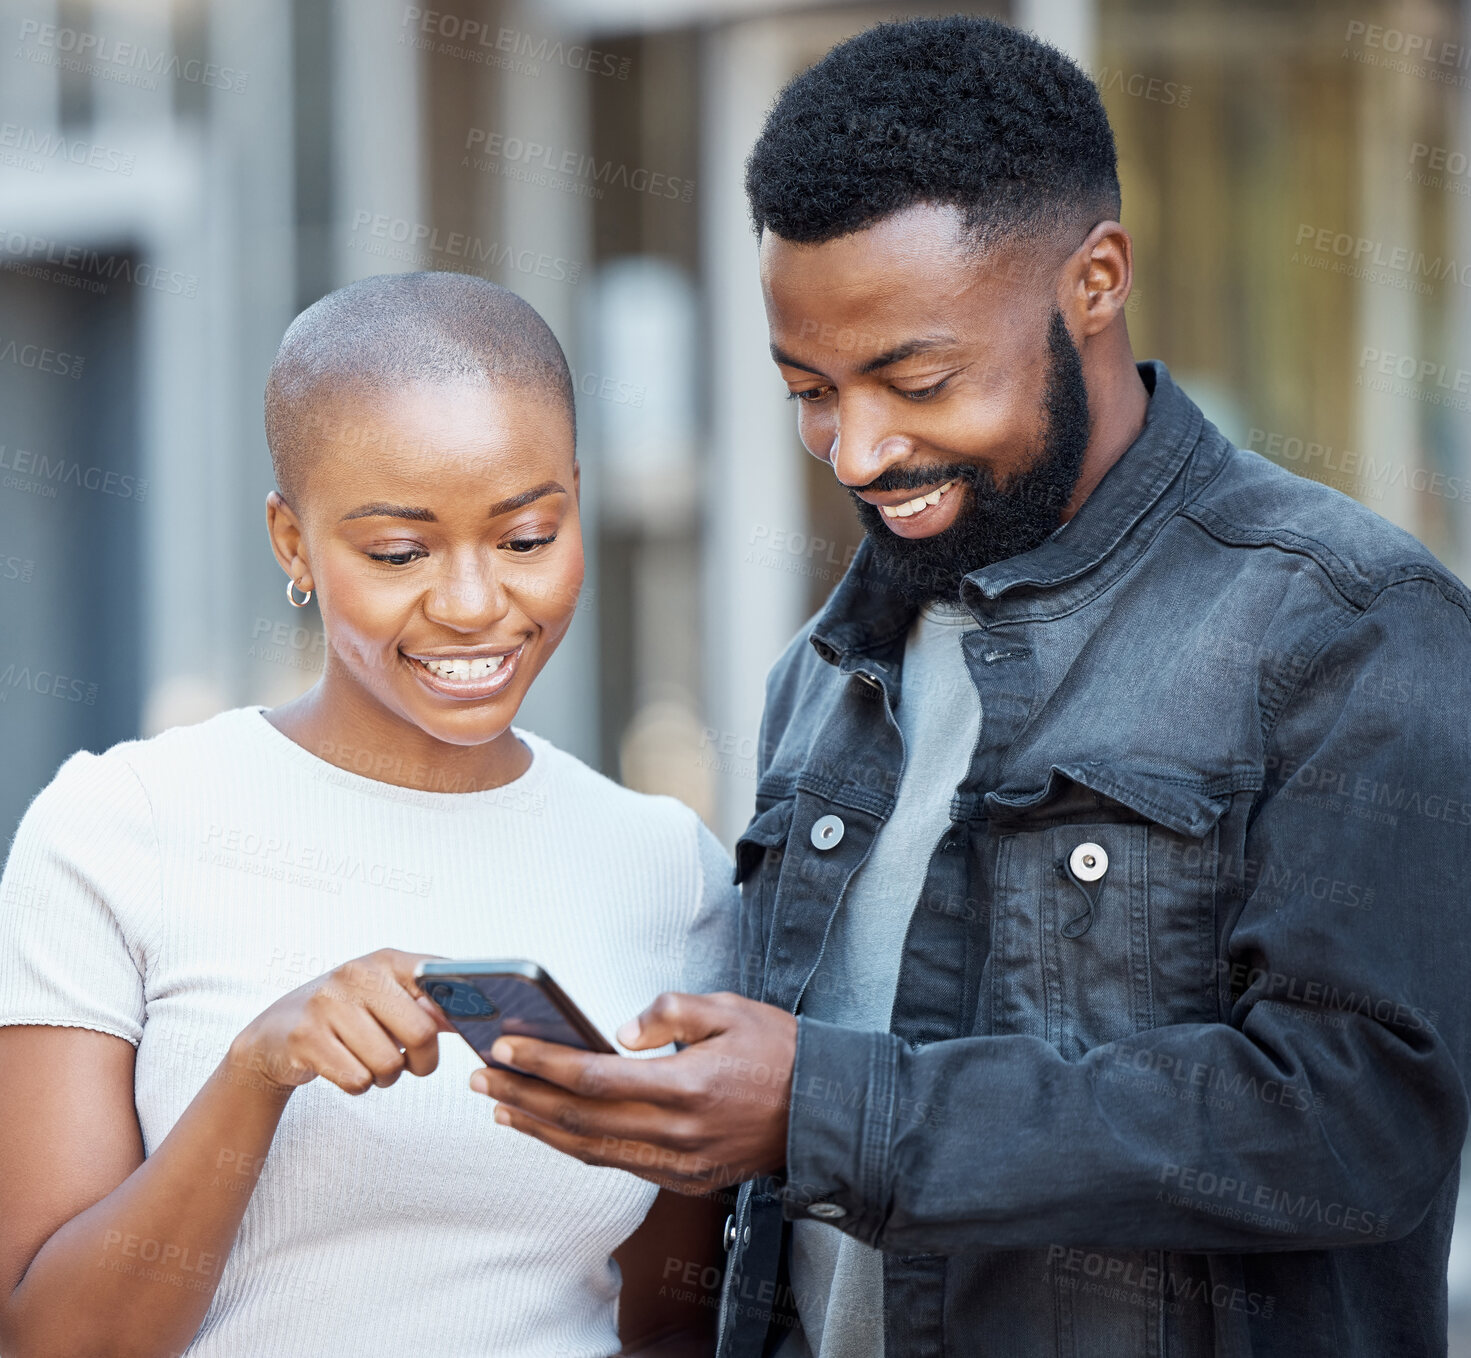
x,y
481,667
914,506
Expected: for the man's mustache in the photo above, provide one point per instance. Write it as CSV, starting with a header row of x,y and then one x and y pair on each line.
x,y
913,478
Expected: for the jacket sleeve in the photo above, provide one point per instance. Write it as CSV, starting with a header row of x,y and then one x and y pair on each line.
x,y
998,1142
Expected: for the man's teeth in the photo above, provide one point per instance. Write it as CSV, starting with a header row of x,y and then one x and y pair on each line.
x,y
914,506
481,667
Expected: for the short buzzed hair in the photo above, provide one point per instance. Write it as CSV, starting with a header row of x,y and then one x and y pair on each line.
x,y
963,112
391,329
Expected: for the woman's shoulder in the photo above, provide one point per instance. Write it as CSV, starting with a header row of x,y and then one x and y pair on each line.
x,y
92,840
143,769
659,851
230,736
667,832
83,896
578,787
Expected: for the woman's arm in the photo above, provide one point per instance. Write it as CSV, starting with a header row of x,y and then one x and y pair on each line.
x,y
105,1252
671,1270
102,1251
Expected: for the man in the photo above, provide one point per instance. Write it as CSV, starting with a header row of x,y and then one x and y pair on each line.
x,y
1104,931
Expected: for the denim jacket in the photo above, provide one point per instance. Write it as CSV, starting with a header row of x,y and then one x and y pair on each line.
x,y
1175,1059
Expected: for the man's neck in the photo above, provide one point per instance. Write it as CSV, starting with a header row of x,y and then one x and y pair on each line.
x,y
1119,402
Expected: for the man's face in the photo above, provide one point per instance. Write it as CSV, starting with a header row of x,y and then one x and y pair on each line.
x,y
942,387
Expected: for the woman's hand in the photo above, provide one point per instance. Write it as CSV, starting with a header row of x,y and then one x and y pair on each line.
x,y
361,1024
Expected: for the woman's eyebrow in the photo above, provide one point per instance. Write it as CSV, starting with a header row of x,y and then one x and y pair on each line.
x,y
378,510
384,511
525,498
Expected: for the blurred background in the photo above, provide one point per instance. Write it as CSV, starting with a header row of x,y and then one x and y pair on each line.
x,y
178,178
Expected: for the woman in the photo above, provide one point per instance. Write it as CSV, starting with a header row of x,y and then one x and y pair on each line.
x,y
205,1143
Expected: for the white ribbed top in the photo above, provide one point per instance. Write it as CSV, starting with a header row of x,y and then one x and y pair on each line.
x,y
169,890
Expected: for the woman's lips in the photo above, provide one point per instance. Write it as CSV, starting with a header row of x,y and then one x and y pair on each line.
x,y
466,677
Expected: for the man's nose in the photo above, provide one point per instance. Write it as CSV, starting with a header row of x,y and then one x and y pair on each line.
x,y
865,442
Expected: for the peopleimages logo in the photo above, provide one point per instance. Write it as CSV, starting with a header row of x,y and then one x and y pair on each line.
x,y
1266,1205
1410,48
414,241
18,677
126,63
39,474
545,165
39,358
33,147
1140,86
506,48
39,256
1439,167
1362,256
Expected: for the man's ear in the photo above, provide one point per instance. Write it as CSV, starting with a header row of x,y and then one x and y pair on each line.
x,y
1098,279
288,543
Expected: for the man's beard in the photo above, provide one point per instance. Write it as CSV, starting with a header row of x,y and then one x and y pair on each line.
x,y
994,522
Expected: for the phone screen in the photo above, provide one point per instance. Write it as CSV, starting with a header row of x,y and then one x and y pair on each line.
x,y
484,1005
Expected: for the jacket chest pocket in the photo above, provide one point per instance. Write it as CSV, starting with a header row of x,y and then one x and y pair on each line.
x,y
1103,922
759,854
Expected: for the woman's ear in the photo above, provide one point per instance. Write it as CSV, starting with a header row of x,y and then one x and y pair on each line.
x,y
287,541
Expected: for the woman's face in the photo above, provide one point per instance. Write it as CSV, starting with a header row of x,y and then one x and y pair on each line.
x,y
438,526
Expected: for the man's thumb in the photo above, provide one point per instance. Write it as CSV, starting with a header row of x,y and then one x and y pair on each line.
x,y
672,1017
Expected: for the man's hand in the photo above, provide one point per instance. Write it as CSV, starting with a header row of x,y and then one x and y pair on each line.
x,y
710,1115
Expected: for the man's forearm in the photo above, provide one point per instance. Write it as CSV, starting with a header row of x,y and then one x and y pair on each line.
x,y
998,1142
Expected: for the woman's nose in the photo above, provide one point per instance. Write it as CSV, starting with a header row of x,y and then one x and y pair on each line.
x,y
468,597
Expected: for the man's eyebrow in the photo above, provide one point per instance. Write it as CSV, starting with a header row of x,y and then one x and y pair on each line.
x,y
909,349
379,510
787,361
526,497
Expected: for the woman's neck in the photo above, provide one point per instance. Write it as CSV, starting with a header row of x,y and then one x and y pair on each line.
x,y
342,724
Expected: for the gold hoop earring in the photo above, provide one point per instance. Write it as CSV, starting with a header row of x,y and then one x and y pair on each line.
x,y
291,587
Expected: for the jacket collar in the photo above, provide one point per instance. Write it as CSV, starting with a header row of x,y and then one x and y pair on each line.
x,y
863,617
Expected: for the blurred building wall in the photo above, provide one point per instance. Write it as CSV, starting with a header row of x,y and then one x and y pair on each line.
x,y
189,173
179,177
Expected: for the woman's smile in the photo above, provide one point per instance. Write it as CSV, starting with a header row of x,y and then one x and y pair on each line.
x,y
464,674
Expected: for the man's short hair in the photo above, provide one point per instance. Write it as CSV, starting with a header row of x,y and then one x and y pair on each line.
x,y
382,332
963,112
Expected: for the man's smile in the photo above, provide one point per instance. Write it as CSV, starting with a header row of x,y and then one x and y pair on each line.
x,y
921,514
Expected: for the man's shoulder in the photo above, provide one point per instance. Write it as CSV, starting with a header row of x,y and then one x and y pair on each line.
x,y
1252,502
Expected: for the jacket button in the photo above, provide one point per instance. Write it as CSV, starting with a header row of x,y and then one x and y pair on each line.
x,y
828,1211
728,1235
827,831
1088,861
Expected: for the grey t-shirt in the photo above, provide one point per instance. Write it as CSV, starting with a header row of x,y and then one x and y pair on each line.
x,y
837,1281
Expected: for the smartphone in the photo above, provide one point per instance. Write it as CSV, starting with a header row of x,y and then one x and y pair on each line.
x,y
483,1000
